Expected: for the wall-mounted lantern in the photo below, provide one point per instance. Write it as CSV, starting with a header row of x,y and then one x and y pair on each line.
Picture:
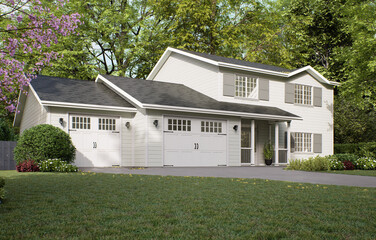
x,y
235,128
61,121
127,124
155,123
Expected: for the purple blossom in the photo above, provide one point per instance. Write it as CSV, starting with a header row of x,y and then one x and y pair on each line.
x,y
43,31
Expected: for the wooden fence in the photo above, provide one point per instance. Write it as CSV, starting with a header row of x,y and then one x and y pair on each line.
x,y
6,155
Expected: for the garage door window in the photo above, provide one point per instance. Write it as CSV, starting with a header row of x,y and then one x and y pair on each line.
x,y
179,125
80,123
211,127
107,124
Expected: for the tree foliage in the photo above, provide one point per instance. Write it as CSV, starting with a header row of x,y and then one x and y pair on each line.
x,y
28,28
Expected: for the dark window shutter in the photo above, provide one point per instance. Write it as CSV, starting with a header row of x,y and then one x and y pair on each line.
x,y
264,89
292,142
317,143
289,93
317,97
228,84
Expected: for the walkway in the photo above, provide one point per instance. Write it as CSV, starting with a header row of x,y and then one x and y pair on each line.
x,y
272,173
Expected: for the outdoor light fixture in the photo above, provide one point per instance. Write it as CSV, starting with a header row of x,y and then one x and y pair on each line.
x,y
235,127
61,121
155,123
127,124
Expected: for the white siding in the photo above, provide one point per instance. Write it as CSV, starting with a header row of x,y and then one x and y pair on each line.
x,y
139,132
233,140
155,140
202,77
315,119
33,113
56,113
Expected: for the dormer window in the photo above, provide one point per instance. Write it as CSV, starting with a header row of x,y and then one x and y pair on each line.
x,y
245,86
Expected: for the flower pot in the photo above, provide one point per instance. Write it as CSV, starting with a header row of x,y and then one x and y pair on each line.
x,y
268,161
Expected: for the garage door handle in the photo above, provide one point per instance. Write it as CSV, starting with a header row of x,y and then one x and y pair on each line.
x,y
94,145
196,146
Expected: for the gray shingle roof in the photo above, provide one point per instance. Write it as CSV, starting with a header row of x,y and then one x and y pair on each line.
x,y
178,95
76,91
239,62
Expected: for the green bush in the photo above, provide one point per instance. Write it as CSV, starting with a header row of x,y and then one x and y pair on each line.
x,y
2,190
311,164
44,142
335,163
6,132
56,165
365,163
360,149
346,157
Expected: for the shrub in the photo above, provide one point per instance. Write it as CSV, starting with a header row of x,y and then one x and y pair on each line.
x,y
360,149
346,157
335,164
27,166
365,163
348,165
44,142
311,164
6,132
56,165
2,194
2,190
2,182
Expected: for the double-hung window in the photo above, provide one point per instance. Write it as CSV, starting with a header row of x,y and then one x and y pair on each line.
x,y
303,142
245,86
303,94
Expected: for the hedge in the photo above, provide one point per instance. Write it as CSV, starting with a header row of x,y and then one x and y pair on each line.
x,y
359,149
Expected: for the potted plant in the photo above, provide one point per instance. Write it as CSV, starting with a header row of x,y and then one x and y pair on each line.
x,y
268,153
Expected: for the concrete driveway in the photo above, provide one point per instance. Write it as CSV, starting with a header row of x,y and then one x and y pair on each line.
x,y
272,173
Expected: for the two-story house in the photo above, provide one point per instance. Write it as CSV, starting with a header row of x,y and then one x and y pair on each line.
x,y
194,109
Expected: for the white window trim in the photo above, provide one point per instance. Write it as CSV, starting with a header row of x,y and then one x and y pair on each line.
x,y
303,95
246,88
302,142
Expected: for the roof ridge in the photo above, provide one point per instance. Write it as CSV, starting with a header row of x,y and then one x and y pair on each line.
x,y
153,81
211,56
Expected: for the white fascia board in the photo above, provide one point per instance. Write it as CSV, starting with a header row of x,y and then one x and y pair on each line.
x,y
168,52
219,112
315,74
159,64
87,106
22,100
118,90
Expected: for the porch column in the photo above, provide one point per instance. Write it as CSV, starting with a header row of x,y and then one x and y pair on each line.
x,y
276,144
253,144
288,142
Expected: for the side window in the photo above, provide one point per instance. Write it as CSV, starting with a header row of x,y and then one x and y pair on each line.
x,y
81,123
303,94
183,125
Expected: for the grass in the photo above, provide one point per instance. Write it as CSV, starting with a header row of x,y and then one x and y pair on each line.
x,y
371,173
106,206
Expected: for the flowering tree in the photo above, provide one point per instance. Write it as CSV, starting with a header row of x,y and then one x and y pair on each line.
x,y
27,30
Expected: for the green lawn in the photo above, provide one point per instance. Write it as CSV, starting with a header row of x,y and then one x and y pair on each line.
x,y
88,206
371,173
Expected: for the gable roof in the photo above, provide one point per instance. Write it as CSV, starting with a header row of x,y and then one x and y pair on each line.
x,y
54,89
238,64
172,96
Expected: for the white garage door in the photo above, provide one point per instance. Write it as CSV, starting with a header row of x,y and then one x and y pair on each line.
x,y
97,140
194,142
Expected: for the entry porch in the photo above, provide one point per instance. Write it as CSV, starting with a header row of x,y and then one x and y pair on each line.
x,y
255,133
